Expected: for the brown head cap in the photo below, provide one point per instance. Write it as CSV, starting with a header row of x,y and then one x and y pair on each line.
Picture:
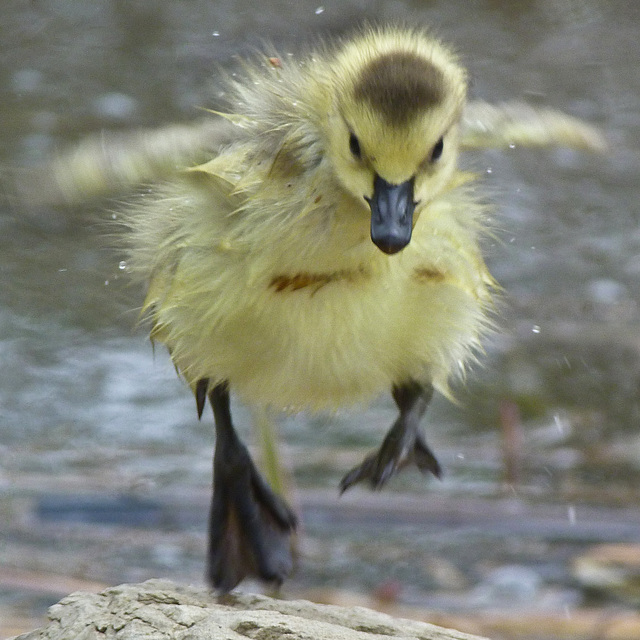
x,y
400,85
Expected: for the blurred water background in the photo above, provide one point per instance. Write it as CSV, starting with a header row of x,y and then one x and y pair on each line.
x,y
104,468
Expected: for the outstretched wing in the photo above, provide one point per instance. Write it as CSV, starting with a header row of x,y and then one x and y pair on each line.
x,y
506,124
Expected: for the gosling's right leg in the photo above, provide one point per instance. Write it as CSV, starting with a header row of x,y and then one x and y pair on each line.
x,y
249,525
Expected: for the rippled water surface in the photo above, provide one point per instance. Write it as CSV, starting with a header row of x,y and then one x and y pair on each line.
x,y
104,469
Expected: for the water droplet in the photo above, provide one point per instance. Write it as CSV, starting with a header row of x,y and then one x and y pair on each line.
x,y
319,10
558,421
460,456
512,145
215,34
106,283
489,170
535,328
114,216
122,265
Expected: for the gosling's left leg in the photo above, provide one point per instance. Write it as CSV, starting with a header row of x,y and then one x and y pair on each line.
x,y
250,526
403,444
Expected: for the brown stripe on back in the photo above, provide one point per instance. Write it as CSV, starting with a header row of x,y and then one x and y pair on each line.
x,y
284,283
300,281
399,85
428,274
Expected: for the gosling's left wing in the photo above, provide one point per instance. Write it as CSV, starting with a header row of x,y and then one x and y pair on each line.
x,y
506,124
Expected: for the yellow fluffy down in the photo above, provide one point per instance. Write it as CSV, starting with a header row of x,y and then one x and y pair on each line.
x,y
260,266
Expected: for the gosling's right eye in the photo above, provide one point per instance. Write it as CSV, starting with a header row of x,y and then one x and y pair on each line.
x,y
354,146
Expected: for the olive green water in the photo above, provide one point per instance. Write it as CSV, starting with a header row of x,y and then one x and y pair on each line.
x,y
95,428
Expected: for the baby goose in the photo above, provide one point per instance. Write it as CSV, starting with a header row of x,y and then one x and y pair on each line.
x,y
327,254
326,251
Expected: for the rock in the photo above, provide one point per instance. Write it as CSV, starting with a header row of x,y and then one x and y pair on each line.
x,y
611,571
162,610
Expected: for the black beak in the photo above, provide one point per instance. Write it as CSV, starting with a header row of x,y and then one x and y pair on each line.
x,y
392,208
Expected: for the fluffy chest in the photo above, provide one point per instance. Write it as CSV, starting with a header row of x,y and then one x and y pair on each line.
x,y
323,339
321,318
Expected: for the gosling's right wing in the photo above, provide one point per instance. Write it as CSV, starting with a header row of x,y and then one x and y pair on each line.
x,y
110,163
506,124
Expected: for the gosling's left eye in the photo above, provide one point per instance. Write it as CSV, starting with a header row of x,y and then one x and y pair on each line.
x,y
354,146
436,152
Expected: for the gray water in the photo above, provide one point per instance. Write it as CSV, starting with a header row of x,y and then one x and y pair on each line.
x,y
95,427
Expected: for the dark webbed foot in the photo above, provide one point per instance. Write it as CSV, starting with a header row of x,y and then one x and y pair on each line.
x,y
249,525
403,444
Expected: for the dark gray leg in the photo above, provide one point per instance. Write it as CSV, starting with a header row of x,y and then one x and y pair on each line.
x,y
403,444
249,525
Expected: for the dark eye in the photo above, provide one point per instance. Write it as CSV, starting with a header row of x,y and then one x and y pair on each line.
x,y
354,146
436,152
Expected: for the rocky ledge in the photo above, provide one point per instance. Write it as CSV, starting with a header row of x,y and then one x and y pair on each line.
x,y
162,610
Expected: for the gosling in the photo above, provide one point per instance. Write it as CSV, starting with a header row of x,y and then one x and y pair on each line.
x,y
328,253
